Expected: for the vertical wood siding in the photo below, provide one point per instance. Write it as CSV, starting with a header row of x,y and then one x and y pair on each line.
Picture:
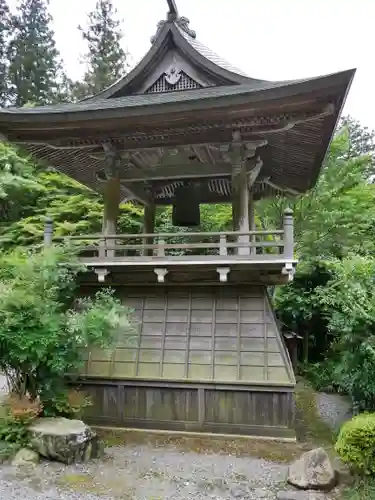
x,y
199,409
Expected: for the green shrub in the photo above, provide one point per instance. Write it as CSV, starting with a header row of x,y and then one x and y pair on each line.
x,y
321,375
356,443
44,328
70,403
17,413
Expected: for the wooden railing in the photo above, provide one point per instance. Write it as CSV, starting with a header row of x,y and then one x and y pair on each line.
x,y
183,244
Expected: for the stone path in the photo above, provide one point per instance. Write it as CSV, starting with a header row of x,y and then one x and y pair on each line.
x,y
334,409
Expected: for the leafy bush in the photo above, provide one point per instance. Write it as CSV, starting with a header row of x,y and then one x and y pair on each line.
x,y
43,328
321,375
18,414
70,403
356,443
348,303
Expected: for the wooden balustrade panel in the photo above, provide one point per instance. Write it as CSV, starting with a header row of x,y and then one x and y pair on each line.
x,y
184,243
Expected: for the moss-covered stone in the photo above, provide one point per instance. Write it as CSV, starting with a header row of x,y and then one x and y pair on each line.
x,y
64,440
25,456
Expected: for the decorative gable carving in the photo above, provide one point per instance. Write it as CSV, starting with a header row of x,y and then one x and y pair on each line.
x,y
181,22
171,82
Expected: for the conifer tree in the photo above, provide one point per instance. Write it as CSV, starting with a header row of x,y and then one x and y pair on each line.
x,y
35,69
105,58
4,39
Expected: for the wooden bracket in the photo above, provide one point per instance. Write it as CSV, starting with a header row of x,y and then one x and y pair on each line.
x,y
223,273
289,271
160,273
101,273
112,169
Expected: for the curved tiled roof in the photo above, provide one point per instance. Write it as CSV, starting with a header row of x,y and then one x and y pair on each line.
x,y
209,54
176,33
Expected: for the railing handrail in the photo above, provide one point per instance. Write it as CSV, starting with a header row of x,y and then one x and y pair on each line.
x,y
101,236
246,240
191,246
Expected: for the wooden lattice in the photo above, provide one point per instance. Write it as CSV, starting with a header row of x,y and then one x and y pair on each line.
x,y
184,83
199,335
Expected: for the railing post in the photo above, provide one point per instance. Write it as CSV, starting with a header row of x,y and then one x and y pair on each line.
x,y
288,234
223,245
48,232
160,248
102,247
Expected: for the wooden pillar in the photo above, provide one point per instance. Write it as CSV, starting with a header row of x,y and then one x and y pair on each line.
x,y
241,207
148,226
252,226
112,193
288,234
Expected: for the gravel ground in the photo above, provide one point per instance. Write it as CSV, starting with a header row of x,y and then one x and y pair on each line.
x,y
145,473
334,409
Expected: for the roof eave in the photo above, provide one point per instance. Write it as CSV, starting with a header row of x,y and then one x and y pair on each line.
x,y
331,125
323,85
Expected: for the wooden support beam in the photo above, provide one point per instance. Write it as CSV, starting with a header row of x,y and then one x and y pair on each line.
x,y
288,234
148,226
111,170
137,193
177,172
241,206
254,172
252,221
112,195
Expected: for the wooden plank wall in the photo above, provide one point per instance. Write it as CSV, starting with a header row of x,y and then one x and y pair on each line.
x,y
199,408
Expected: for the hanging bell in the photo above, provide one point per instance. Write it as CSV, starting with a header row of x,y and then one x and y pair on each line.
x,y
186,212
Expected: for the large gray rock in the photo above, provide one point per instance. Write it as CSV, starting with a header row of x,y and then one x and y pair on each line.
x,y
313,471
64,440
25,457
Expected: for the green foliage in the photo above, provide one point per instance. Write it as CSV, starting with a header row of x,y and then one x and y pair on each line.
x,y
362,489
35,70
348,303
43,332
8,450
321,375
336,216
28,194
17,415
106,59
68,403
356,443
330,301
18,188
362,139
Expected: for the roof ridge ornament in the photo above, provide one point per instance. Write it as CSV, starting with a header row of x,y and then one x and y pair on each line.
x,y
173,12
172,16
183,23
